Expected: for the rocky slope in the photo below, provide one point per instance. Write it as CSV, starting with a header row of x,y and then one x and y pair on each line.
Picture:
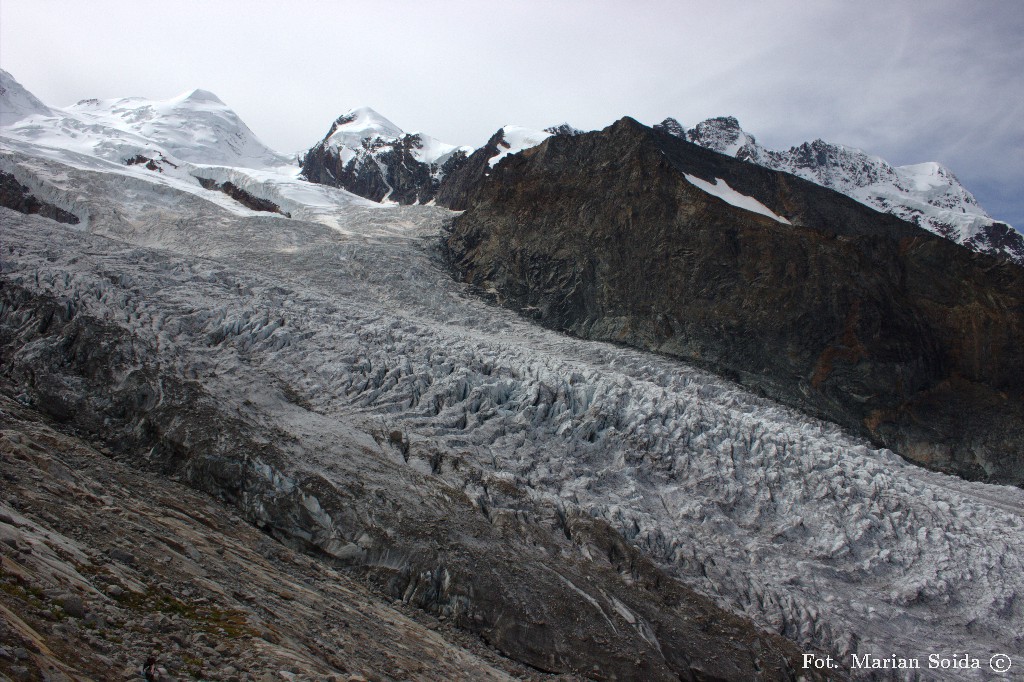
x,y
104,566
831,306
926,194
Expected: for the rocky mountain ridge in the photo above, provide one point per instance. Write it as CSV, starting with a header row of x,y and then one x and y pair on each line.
x,y
926,194
366,154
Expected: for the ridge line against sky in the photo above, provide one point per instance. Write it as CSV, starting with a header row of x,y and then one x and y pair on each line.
x,y
910,82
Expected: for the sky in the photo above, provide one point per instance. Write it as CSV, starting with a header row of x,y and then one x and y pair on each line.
x,y
941,80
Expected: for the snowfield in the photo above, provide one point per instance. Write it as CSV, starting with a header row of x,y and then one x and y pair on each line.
x,y
721,189
342,322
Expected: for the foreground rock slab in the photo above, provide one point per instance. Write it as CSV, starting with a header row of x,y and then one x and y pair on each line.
x,y
103,567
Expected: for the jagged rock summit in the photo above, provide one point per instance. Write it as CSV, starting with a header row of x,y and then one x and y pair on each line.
x,y
926,194
369,155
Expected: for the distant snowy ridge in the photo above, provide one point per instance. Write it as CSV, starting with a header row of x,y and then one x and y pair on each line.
x,y
195,126
926,194
182,143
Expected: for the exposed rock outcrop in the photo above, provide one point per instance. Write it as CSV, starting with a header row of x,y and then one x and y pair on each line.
x,y
240,195
463,182
458,188
851,314
16,196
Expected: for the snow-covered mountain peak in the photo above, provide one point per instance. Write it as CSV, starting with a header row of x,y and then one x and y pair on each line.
x,y
17,103
672,127
352,127
363,130
926,194
724,135
199,95
195,126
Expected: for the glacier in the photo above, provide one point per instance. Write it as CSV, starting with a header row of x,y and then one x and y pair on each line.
x,y
342,322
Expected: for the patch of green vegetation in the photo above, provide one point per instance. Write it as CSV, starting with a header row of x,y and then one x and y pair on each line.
x,y
15,586
225,623
192,666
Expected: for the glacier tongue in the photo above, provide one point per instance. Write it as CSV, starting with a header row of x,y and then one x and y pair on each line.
x,y
806,529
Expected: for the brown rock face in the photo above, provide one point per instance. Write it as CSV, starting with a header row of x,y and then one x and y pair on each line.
x,y
847,313
241,196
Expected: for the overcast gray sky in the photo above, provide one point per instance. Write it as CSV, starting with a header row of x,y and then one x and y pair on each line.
x,y
909,81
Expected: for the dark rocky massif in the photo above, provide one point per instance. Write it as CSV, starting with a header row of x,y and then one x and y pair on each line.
x,y
459,186
847,313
